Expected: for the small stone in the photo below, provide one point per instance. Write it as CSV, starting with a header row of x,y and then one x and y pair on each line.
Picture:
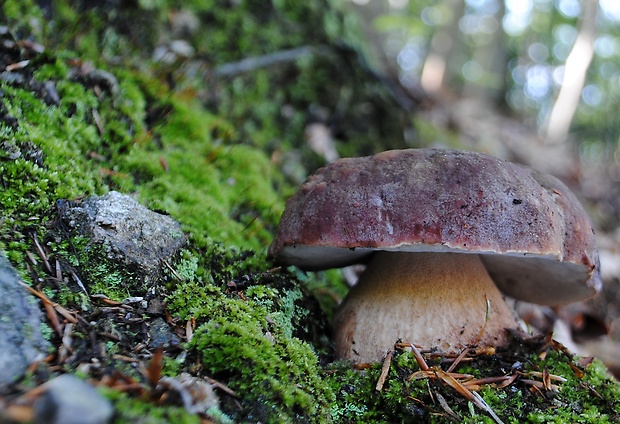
x,y
130,234
21,340
156,306
162,335
196,395
69,400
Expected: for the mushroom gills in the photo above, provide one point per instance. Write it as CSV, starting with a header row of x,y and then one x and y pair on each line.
x,y
434,300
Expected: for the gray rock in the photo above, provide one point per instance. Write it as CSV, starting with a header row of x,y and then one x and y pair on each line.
x,y
126,233
21,340
69,400
161,335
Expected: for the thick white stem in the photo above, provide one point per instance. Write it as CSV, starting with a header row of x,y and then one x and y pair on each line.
x,y
434,300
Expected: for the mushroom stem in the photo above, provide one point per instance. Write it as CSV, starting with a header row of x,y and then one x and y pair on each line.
x,y
441,300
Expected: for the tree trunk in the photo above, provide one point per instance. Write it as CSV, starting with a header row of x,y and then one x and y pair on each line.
x,y
575,69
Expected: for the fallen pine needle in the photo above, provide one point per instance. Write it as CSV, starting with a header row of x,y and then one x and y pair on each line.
x,y
221,386
487,315
62,311
457,361
541,385
474,397
416,353
487,408
504,380
446,407
450,378
384,371
552,377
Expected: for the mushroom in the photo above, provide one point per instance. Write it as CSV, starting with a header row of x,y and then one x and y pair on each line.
x,y
444,233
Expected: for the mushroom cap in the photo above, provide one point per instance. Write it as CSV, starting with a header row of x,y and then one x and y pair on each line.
x,y
533,235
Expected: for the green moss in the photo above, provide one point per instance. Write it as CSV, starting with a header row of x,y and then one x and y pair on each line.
x,y
262,362
287,314
45,156
46,331
591,399
226,192
22,15
250,334
130,410
110,280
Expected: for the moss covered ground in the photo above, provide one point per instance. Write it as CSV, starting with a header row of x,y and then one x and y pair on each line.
x,y
86,110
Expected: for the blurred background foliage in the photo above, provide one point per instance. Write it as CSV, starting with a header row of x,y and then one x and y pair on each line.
x,y
516,53
551,65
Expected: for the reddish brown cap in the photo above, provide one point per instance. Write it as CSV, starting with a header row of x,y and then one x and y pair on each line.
x,y
533,235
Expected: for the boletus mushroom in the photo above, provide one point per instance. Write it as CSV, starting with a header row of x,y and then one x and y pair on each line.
x,y
444,234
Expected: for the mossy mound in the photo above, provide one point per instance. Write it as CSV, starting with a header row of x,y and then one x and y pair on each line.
x,y
262,334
